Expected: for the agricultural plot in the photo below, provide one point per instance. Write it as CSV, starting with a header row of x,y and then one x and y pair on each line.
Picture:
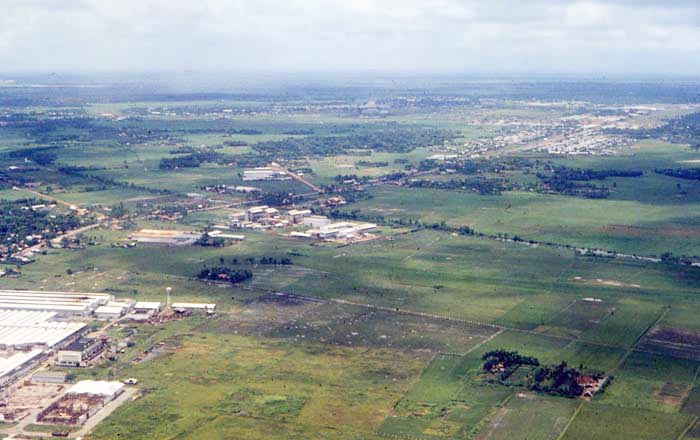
x,y
596,422
623,326
555,218
677,342
577,318
529,416
302,319
440,405
651,382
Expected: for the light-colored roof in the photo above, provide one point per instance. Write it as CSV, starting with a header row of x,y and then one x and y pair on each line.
x,y
51,301
109,310
25,327
149,305
11,363
193,306
299,212
96,387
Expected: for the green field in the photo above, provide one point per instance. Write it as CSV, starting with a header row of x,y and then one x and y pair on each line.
x,y
379,339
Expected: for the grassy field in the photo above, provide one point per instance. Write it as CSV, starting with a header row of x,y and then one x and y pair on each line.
x,y
622,225
389,343
228,386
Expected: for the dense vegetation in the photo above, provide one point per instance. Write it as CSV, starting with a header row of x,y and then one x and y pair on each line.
x,y
222,273
392,140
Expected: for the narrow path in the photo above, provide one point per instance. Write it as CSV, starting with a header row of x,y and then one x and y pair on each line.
x,y
297,178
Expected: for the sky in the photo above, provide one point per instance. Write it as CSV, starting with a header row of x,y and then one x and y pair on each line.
x,y
418,36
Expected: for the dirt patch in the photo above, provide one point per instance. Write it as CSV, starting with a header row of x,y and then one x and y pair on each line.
x,y
27,396
672,393
601,282
677,342
692,403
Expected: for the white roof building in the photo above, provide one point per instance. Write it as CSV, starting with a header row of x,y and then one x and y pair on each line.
x,y
194,306
22,328
69,303
97,388
148,305
10,365
109,312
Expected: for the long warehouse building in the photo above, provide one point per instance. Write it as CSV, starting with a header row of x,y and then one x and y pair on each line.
x,y
23,328
65,303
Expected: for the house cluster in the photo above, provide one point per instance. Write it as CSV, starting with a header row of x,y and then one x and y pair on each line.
x,y
591,385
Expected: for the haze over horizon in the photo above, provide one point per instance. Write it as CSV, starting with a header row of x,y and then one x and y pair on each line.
x,y
443,36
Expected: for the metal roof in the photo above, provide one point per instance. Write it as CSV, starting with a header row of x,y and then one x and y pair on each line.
x,y
96,387
9,364
24,327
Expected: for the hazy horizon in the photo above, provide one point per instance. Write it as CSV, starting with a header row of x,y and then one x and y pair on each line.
x,y
442,37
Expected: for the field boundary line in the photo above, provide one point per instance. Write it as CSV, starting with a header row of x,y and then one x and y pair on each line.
x,y
688,428
571,420
636,341
499,327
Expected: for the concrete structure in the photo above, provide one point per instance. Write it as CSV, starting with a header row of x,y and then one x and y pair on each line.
x,y
316,221
78,353
194,307
23,328
342,230
109,312
148,307
65,303
49,377
297,214
256,212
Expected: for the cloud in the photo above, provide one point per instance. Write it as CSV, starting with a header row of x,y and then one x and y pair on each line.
x,y
623,36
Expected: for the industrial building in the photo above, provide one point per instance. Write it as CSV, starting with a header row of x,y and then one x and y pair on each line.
x,y
264,173
80,352
23,328
17,364
194,307
109,312
65,303
316,221
81,401
167,238
342,230
46,376
296,215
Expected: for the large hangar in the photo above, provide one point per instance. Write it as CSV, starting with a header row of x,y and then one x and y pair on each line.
x,y
65,303
24,328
